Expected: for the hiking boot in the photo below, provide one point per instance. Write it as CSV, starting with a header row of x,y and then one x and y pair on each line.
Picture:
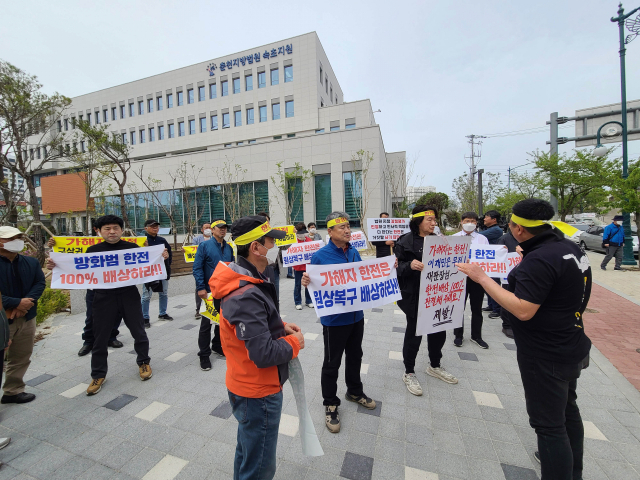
x,y
442,374
332,418
412,383
363,400
457,341
95,386
166,316
145,372
205,363
480,342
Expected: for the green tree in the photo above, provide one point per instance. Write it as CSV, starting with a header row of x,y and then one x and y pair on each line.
x,y
625,193
466,192
290,190
436,199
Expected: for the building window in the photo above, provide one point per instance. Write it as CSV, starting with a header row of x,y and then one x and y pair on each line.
x,y
320,74
172,130
124,138
278,137
169,100
320,130
82,147
192,127
249,116
105,116
180,98
181,129
351,124
275,108
212,91
288,109
152,134
189,96
132,138
122,116
149,105
131,110
225,88
334,129
248,83
262,79
274,77
322,184
288,74
161,132
203,125
214,122
88,118
263,113
66,125
225,120
251,142
113,113
142,136
236,85
140,107
336,98
227,145
38,153
331,94
237,121
239,143
291,135
97,117
326,84
159,103
201,93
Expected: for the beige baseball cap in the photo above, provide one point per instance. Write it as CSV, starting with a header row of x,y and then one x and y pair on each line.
x,y
8,232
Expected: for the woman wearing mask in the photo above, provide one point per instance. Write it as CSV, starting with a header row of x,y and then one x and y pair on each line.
x,y
313,232
302,235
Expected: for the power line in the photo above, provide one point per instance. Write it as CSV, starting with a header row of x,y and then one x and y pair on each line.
x,y
526,131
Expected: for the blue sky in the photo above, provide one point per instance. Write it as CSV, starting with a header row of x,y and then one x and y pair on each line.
x,y
438,70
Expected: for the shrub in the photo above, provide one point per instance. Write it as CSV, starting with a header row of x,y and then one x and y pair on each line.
x,y
51,301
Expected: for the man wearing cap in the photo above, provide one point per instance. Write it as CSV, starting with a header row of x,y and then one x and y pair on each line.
x,y
21,283
613,240
547,294
342,332
208,255
259,346
151,227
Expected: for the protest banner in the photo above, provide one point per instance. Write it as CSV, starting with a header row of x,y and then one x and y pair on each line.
x,y
349,287
189,253
358,240
383,229
513,260
209,311
492,259
80,244
442,286
103,270
290,230
300,253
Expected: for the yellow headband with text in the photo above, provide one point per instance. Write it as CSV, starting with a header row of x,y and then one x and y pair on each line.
x,y
218,222
253,235
430,213
563,227
336,221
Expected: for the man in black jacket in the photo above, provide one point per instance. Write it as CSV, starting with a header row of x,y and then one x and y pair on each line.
x,y
21,283
383,248
151,227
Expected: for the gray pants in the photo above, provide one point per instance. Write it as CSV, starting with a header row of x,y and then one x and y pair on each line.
x,y
613,252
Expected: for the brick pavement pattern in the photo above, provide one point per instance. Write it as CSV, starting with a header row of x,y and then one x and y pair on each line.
x,y
179,425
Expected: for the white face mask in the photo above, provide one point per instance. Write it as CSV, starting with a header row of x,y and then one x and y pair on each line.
x,y
312,230
207,232
15,246
468,227
301,236
618,223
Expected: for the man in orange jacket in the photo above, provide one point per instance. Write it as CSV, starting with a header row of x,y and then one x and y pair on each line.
x,y
258,346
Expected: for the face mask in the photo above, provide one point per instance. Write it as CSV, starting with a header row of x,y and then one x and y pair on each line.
x,y
272,254
301,236
312,230
207,232
618,223
14,246
468,227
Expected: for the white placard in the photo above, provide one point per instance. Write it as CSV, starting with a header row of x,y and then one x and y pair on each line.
x,y
383,229
492,259
513,260
358,240
300,253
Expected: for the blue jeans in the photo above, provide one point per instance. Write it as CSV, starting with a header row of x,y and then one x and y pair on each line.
x,y
289,272
297,294
164,299
258,423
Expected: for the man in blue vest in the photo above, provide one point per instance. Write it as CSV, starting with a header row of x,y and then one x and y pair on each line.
x,y
613,240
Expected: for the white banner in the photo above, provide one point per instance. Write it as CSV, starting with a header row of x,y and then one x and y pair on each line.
x,y
513,260
104,270
492,259
442,286
358,241
383,229
349,287
300,253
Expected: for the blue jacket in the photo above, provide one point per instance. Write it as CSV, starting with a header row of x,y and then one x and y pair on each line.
x,y
158,240
493,234
208,255
613,234
30,285
330,254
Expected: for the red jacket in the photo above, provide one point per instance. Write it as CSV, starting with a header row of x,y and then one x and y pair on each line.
x,y
303,267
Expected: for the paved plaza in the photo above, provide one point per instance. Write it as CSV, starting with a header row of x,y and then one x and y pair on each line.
x,y
179,423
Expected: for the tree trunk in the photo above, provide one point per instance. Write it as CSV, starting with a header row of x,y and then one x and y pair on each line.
x,y
123,207
35,213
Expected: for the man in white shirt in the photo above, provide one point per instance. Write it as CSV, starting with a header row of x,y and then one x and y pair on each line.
x,y
206,235
475,292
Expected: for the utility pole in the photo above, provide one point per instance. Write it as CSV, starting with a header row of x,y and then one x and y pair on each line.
x,y
480,212
474,140
553,150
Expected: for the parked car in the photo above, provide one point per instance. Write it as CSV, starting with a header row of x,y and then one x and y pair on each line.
x,y
592,238
582,227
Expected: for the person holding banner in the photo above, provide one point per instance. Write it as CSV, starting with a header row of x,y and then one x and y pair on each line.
x,y
342,332
409,252
383,248
547,294
475,293
259,346
302,236
207,257
152,227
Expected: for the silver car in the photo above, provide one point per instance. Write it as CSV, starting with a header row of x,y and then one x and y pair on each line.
x,y
592,238
582,227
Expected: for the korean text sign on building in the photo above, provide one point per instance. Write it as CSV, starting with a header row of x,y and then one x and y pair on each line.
x,y
383,229
442,286
80,244
348,287
300,253
492,259
104,270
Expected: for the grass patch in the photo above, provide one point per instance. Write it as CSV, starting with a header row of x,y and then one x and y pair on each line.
x,y
51,301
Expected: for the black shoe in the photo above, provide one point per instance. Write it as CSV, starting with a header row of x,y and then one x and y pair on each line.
x,y
115,344
86,349
218,351
146,323
603,268
197,316
457,341
205,363
166,316
480,342
487,309
494,315
23,397
508,332
619,269
290,277
536,454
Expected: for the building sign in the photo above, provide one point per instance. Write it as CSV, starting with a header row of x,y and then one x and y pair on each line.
x,y
249,59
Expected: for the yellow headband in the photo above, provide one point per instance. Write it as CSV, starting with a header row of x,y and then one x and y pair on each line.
x,y
563,227
258,232
218,222
422,214
336,221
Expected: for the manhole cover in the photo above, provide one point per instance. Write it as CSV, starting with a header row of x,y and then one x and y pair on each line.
x,y
591,310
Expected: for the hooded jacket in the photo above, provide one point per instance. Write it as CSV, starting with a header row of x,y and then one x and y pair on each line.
x,y
256,346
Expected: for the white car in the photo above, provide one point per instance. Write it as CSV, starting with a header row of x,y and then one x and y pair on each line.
x,y
582,227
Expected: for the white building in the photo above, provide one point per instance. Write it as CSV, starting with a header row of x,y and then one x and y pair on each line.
x,y
278,103
414,193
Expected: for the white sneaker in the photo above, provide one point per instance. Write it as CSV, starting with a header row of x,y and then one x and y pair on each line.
x,y
442,374
4,442
310,305
412,383
298,307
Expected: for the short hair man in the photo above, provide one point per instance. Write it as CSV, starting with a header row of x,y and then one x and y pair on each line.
x,y
546,297
494,233
21,283
152,227
342,332
207,257
613,241
258,343
204,236
383,248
